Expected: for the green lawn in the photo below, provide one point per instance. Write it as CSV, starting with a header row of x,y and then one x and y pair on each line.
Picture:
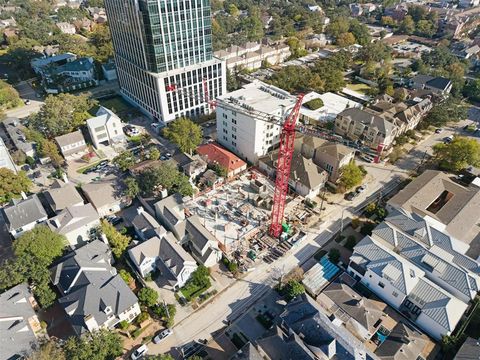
x,y
473,327
361,88
83,169
191,291
116,104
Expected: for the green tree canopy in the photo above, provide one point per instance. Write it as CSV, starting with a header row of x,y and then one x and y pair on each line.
x,y
131,187
292,289
9,97
185,133
147,296
61,114
351,175
459,154
12,185
165,176
125,160
40,243
117,241
99,345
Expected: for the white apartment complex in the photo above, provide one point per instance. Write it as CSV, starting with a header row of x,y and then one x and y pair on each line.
x,y
240,131
159,44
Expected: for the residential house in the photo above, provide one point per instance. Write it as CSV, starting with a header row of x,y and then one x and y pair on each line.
x,y
83,24
469,350
10,34
210,179
98,14
361,316
146,226
16,133
280,344
452,207
66,28
203,244
171,213
306,178
72,145
439,264
18,323
366,126
304,317
109,71
94,296
79,70
397,12
165,255
251,55
61,195
194,168
328,155
438,85
468,3
76,224
106,196
332,105
23,215
6,23
215,155
405,287
403,343
106,128
39,65
6,160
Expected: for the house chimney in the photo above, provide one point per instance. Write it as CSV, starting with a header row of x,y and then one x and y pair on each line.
x,y
24,196
140,210
65,178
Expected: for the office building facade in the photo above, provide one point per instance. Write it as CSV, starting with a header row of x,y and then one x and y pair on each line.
x,y
162,43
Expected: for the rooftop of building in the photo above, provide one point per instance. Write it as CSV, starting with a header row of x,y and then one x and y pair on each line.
x,y
71,138
21,212
62,194
214,153
435,194
261,97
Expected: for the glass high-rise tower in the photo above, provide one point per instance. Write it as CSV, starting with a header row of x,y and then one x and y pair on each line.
x,y
162,42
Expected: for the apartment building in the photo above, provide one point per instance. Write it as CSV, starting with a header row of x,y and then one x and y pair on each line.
x,y
160,46
241,131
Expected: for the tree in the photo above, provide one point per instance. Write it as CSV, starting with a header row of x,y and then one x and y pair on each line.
x,y
442,113
147,296
233,10
154,154
47,148
126,276
351,175
9,97
164,176
185,133
19,157
472,90
351,242
292,289
124,160
12,185
232,82
345,39
40,243
388,21
62,114
459,154
407,26
99,345
117,241
131,187
338,26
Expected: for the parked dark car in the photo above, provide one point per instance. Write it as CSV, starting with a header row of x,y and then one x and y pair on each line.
x,y
351,195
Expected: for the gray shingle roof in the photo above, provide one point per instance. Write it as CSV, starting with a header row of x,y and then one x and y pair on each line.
x,y
146,224
368,118
71,138
73,218
23,212
16,317
90,284
198,233
403,343
62,195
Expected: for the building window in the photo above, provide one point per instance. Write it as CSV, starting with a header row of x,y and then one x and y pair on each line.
x,y
234,121
382,285
234,143
395,294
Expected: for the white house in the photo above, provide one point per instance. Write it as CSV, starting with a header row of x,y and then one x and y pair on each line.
x,y
23,215
243,134
72,145
75,223
66,28
106,128
203,244
405,286
94,295
332,105
165,255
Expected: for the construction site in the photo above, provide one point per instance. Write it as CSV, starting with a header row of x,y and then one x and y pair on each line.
x,y
238,213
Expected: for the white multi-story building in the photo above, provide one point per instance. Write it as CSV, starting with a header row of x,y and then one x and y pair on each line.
x,y
159,44
243,133
105,128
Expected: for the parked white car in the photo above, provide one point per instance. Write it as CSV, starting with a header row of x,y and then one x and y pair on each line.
x,y
164,334
139,353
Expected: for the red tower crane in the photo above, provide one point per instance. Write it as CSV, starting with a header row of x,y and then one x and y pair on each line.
x,y
285,154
